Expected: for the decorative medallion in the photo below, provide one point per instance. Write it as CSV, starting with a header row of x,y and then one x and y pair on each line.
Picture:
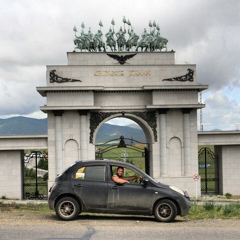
x,y
55,78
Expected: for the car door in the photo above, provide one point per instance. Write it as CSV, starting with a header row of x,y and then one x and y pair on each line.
x,y
129,197
89,183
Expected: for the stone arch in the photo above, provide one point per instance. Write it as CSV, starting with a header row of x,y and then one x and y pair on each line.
x,y
147,121
141,122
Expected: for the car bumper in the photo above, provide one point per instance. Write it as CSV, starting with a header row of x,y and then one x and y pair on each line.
x,y
185,209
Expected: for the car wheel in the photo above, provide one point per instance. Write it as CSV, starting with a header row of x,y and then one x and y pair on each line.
x,y
165,211
67,208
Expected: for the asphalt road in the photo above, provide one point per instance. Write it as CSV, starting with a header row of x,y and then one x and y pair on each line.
x,y
101,227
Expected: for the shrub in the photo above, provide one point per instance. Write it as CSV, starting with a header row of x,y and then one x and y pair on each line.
x,y
209,206
30,173
228,195
231,210
43,164
45,177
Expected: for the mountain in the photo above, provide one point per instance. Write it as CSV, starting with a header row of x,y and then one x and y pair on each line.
x,y
23,126
109,132
32,126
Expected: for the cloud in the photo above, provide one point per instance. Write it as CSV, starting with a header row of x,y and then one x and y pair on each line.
x,y
36,33
217,114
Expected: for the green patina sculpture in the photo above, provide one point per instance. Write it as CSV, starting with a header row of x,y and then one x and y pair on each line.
x,y
151,41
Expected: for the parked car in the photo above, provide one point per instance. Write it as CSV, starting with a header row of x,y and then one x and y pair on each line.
x,y
87,186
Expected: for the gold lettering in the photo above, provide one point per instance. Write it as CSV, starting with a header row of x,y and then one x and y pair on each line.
x,y
121,73
96,73
109,73
139,73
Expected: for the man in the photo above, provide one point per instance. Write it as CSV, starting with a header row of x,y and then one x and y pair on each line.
x,y
110,36
121,33
118,178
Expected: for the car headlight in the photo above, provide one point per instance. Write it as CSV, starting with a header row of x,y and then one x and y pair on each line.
x,y
177,190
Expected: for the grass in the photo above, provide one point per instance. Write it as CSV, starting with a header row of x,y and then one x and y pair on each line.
x,y
24,208
211,210
208,210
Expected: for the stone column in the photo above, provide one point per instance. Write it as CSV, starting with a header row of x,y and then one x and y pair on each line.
x,y
58,142
83,135
186,142
163,142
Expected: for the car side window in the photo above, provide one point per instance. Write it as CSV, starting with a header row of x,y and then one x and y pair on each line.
x,y
128,174
94,173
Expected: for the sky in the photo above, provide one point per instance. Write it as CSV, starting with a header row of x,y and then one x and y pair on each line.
x,y
37,33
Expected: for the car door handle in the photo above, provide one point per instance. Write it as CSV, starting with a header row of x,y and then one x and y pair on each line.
x,y
78,185
114,187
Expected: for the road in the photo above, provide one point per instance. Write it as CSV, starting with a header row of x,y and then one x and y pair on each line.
x,y
100,227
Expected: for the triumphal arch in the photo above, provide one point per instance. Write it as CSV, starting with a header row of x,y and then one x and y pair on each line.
x,y
129,76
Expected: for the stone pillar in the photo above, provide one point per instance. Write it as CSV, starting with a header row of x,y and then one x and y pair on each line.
x,y
83,135
186,142
163,142
58,142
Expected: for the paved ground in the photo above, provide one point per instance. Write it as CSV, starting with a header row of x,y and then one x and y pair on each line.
x,y
46,226
38,226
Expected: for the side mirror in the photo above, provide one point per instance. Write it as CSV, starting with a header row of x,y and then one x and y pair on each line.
x,y
145,182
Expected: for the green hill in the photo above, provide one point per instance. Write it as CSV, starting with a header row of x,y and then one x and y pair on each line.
x,y
23,126
32,126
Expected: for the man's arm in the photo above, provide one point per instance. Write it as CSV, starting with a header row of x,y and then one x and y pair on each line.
x,y
119,180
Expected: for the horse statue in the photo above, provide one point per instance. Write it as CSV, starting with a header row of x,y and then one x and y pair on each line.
x,y
121,42
83,42
147,44
164,43
160,44
98,45
80,44
111,42
132,41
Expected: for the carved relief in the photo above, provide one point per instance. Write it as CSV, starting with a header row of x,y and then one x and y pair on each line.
x,y
184,78
55,78
121,59
97,117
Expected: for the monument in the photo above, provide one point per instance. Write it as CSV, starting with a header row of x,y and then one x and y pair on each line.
x,y
129,76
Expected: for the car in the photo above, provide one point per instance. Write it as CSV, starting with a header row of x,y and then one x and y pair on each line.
x,y
87,186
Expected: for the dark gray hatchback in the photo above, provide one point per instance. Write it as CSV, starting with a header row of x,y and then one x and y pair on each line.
x,y
87,186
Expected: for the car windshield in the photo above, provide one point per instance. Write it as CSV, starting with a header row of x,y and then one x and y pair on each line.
x,y
152,179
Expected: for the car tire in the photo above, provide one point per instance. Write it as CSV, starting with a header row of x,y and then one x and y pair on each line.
x,y
165,211
67,209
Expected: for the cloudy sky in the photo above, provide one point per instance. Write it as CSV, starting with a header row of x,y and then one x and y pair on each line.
x,y
36,33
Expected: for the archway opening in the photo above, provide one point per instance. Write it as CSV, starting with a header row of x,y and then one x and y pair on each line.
x,y
123,139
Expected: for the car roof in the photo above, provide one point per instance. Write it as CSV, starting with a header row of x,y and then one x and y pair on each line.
x,y
106,161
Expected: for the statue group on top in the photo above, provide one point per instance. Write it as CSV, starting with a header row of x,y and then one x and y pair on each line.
x,y
151,41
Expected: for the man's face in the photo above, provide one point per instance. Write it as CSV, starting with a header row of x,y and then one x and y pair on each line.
x,y
120,172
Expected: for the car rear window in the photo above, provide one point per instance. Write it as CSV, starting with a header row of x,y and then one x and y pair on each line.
x,y
96,173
